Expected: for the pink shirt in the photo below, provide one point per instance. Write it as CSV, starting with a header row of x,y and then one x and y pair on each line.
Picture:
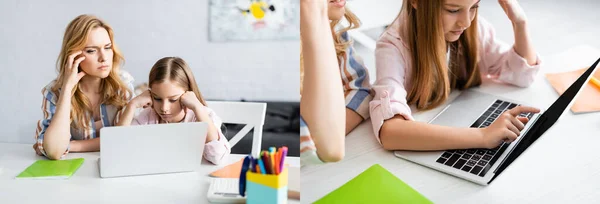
x,y
215,151
497,60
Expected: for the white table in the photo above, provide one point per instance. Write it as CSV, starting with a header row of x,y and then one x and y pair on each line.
x,y
562,166
86,186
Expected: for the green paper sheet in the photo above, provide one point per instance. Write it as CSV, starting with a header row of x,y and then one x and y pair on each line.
x,y
374,185
51,169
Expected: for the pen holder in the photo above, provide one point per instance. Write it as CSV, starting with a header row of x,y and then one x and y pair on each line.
x,y
266,188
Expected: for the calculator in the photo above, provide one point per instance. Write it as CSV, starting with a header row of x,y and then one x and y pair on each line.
x,y
225,190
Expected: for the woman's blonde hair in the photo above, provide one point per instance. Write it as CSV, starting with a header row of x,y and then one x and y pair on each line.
x,y
114,90
175,69
341,45
432,79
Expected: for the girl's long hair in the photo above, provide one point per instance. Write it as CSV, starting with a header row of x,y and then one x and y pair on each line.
x,y
432,78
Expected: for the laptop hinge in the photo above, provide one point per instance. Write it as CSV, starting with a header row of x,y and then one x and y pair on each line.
x,y
532,135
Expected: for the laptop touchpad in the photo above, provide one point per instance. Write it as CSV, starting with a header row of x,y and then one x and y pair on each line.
x,y
465,109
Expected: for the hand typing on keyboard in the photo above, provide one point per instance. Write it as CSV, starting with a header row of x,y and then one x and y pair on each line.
x,y
507,127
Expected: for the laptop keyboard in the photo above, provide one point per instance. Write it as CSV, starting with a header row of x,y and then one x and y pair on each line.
x,y
225,186
479,161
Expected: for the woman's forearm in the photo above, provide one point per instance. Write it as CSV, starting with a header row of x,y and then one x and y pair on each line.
x,y
322,103
58,134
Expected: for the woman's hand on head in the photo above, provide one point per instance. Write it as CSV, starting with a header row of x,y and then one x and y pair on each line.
x,y
507,127
189,100
143,100
71,71
513,11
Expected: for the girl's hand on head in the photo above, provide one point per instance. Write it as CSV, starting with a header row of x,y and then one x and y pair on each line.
x,y
513,10
189,100
71,71
507,127
143,100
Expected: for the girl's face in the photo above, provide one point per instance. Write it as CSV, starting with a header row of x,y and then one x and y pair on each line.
x,y
98,54
165,101
336,10
457,16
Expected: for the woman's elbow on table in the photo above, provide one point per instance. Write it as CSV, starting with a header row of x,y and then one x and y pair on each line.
x,y
332,152
330,144
54,155
331,155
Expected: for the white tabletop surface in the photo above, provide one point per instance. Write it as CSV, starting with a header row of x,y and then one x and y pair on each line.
x,y
562,166
86,186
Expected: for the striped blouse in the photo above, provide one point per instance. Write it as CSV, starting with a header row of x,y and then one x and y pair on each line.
x,y
108,116
355,79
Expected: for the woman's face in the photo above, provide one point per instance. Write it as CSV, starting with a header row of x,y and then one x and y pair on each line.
x,y
98,54
166,101
336,10
457,16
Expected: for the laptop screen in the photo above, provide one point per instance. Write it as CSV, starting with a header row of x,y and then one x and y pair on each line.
x,y
548,118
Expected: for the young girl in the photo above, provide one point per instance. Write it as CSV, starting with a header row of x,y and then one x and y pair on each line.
x,y
324,59
88,92
434,46
174,97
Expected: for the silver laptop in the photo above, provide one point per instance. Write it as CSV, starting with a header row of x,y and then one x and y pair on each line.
x,y
151,149
478,110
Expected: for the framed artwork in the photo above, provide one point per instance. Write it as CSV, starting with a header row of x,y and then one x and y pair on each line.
x,y
254,20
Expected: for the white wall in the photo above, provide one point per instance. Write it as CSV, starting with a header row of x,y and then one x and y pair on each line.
x,y
145,30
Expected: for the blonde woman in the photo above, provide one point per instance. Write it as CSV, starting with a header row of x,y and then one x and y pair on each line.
x,y
87,93
435,46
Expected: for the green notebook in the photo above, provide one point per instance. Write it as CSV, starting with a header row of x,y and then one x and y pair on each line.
x,y
375,185
51,169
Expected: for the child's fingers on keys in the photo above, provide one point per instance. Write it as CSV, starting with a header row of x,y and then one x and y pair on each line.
x,y
524,120
517,123
523,109
511,136
513,129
